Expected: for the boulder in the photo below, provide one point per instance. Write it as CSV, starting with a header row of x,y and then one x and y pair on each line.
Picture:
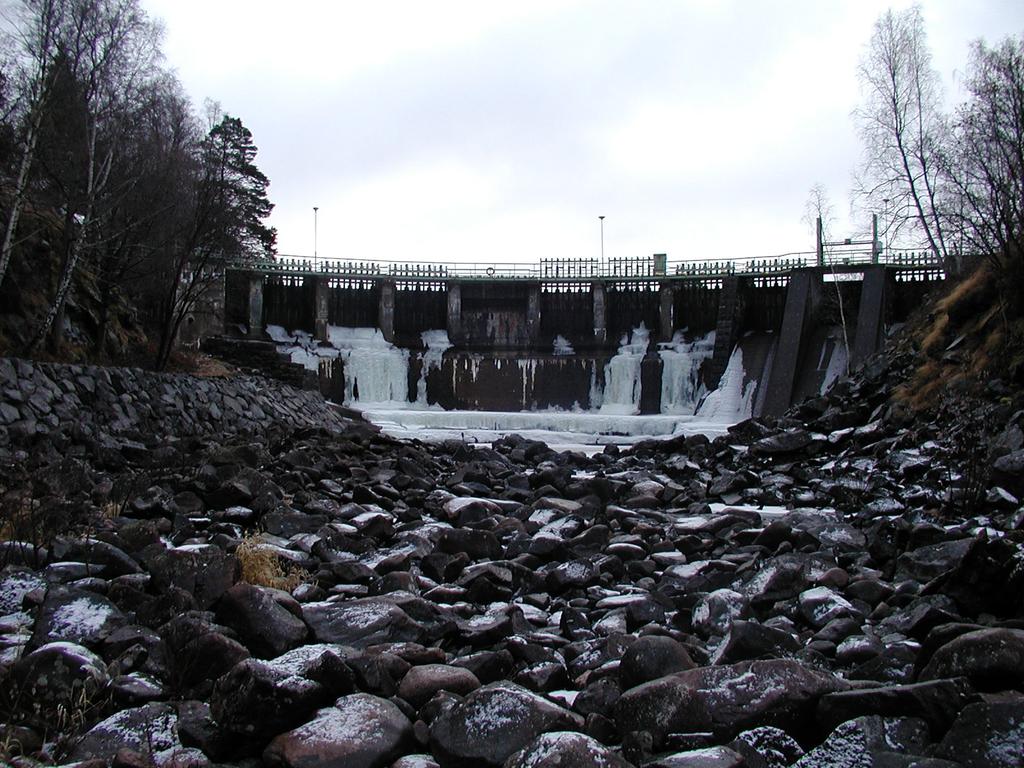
x,y
58,674
565,749
150,730
992,659
420,683
725,700
767,747
359,731
204,571
651,657
868,741
707,757
361,623
75,616
264,626
986,735
936,702
493,722
257,699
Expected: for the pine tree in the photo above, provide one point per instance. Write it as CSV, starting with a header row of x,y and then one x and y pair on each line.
x,y
237,191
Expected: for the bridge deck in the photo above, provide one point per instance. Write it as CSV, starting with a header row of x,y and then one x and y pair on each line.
x,y
586,270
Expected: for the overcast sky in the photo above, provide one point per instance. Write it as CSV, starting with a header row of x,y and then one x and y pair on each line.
x,y
499,131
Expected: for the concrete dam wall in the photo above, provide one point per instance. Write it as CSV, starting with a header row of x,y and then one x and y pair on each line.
x,y
646,345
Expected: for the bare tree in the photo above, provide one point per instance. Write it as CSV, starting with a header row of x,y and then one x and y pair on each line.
x,y
36,31
987,161
109,50
819,215
902,126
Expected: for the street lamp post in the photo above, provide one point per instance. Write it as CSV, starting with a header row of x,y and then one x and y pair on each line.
x,y
601,265
315,209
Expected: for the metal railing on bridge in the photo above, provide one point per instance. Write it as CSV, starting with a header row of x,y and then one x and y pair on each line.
x,y
582,269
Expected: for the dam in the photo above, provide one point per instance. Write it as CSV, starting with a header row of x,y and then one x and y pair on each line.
x,y
638,336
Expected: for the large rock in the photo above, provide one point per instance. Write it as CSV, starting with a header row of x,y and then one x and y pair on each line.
x,y
726,699
267,628
150,730
203,570
359,731
986,736
257,699
651,657
59,674
992,659
420,683
76,616
361,623
493,722
565,749
868,741
937,703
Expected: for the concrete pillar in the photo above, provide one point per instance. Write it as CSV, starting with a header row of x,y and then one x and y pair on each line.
x,y
386,311
255,306
726,328
870,315
802,300
533,312
600,312
320,318
666,306
454,310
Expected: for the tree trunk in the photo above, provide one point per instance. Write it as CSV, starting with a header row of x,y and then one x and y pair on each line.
x,y
20,187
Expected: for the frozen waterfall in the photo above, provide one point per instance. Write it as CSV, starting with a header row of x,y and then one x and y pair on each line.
x,y
437,343
731,402
622,385
681,361
375,370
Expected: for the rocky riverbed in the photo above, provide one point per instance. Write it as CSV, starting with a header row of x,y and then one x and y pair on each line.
x,y
225,572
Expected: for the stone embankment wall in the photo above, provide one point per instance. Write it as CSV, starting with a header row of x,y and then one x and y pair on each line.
x,y
41,398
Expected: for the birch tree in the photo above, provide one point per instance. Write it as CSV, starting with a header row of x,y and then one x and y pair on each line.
x,y
902,126
108,48
987,161
36,31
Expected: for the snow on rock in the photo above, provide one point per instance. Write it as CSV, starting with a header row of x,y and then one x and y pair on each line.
x,y
495,721
150,730
360,729
565,748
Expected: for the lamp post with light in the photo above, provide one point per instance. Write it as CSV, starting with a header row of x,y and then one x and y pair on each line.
x,y
601,265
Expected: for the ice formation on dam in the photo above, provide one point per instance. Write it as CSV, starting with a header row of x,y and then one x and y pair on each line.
x,y
376,371
562,346
732,401
622,387
681,361
838,359
436,343
376,381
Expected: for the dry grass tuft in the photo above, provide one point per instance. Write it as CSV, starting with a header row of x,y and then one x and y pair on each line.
x,y
935,340
262,568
